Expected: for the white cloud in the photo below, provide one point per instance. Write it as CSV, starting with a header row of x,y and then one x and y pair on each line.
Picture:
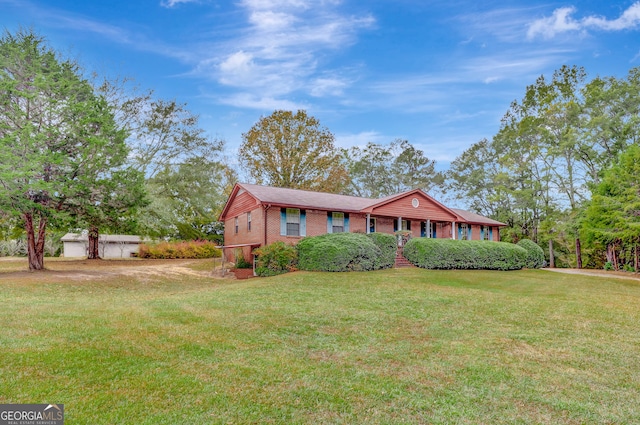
x,y
321,87
282,47
173,3
360,139
249,100
561,21
268,20
237,68
629,19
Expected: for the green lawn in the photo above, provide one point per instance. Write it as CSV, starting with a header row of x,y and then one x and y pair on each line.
x,y
395,346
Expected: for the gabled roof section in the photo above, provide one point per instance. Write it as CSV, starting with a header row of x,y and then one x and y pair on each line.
x,y
237,189
376,203
474,218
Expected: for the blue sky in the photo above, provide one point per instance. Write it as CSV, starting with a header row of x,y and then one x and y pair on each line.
x,y
440,74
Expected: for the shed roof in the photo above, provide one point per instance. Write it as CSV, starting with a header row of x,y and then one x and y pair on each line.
x,y
79,237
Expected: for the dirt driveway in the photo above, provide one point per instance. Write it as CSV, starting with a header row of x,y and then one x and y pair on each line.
x,y
82,270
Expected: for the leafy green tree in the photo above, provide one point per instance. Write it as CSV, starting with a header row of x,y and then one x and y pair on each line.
x,y
187,176
58,140
110,202
293,151
382,170
612,218
187,200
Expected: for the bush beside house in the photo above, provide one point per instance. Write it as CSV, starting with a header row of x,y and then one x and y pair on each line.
x,y
275,259
450,254
535,254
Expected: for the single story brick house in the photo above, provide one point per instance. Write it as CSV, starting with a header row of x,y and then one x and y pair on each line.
x,y
257,215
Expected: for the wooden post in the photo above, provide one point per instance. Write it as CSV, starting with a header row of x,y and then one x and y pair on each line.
x,y
578,254
552,263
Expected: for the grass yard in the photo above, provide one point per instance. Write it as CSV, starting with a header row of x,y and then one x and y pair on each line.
x,y
395,346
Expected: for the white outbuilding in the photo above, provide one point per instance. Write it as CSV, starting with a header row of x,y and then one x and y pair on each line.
x,y
109,246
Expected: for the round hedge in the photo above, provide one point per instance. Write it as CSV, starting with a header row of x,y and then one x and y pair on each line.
x,y
388,245
535,254
339,252
453,254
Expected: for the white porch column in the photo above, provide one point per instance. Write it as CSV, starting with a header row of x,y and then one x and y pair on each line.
x,y
429,228
368,223
453,230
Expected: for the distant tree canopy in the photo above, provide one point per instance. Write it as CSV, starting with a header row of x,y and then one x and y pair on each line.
x,y
186,175
60,147
553,147
378,170
292,150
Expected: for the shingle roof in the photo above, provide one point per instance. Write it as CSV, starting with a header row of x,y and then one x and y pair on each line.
x,y
325,201
474,218
306,198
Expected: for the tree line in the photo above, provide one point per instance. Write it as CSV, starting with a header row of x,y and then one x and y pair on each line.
x,y
102,155
80,152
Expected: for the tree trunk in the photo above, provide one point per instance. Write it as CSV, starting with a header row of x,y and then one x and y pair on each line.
x,y
609,254
635,266
552,262
94,253
35,244
578,254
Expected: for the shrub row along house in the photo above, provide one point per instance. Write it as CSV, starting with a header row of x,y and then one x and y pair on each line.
x,y
257,215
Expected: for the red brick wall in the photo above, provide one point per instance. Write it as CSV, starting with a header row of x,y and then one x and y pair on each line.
x,y
358,223
244,235
316,224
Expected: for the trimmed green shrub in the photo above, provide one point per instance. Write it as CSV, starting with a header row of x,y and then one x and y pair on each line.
x,y
241,262
181,249
276,258
388,245
452,254
339,252
535,254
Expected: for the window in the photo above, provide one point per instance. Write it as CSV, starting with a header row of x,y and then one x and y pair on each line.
x,y
235,224
406,225
464,231
372,225
486,233
293,222
337,222
249,221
